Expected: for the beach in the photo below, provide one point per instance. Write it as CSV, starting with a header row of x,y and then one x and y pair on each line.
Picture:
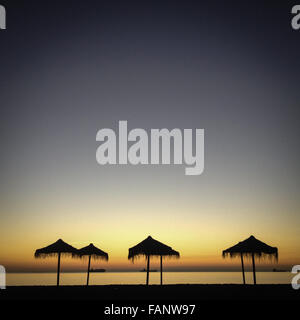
x,y
183,292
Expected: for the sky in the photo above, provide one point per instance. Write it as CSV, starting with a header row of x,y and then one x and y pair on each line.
x,y
71,68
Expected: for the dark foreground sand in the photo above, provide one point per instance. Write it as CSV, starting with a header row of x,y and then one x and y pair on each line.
x,y
153,292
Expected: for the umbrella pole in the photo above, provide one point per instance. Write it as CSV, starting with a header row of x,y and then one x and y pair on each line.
x,y
243,270
161,271
253,264
58,269
88,272
148,266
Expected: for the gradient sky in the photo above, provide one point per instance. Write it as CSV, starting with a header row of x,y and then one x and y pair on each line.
x,y
70,68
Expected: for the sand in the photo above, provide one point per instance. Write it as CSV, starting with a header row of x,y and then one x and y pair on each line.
x,y
153,292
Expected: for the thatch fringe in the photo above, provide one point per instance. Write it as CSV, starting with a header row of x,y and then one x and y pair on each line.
x,y
143,255
258,255
50,255
93,256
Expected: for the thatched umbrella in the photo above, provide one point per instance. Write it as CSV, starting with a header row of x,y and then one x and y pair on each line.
x,y
151,247
57,248
251,247
92,252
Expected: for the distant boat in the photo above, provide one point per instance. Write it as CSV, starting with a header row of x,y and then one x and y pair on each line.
x,y
151,270
97,270
278,270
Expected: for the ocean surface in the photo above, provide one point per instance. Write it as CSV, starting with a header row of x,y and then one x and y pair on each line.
x,y
31,279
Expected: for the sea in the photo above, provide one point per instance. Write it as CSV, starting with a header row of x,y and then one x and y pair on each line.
x,y
107,278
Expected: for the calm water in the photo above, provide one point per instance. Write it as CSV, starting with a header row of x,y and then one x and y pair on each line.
x,y
18,279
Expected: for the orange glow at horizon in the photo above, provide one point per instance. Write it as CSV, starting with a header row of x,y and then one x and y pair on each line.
x,y
199,251
198,231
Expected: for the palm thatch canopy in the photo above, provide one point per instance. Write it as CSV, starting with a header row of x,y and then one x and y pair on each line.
x,y
151,247
251,246
92,251
54,249
58,248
